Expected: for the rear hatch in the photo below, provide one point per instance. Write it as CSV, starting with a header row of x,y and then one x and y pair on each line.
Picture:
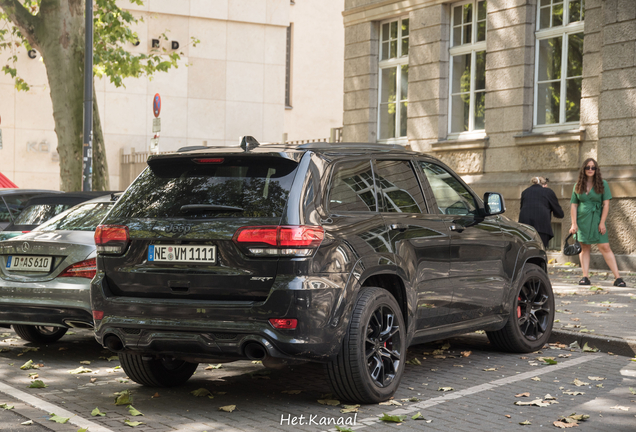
x,y
181,215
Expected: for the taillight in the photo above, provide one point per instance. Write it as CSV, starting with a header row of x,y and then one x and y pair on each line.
x,y
98,315
85,269
284,323
300,241
208,160
111,239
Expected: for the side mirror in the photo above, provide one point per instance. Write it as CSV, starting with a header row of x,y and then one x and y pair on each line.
x,y
494,203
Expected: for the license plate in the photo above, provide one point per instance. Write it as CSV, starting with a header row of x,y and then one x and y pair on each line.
x,y
182,254
29,263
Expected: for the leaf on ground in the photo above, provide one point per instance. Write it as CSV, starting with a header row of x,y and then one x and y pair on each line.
x,y
6,406
565,355
29,365
438,352
111,358
526,394
392,418
563,425
587,348
621,408
201,392
155,396
29,422
96,412
445,347
577,382
132,423
123,398
575,345
536,379
414,361
80,370
85,362
257,362
536,402
525,423
573,393
230,408
445,389
63,349
549,397
37,384
350,409
550,361
578,417
57,419
133,411
291,392
210,367
594,378
342,429
632,390
29,349
390,402
419,416
466,353
82,430
490,369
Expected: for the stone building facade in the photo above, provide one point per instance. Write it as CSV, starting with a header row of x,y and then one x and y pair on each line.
x,y
502,91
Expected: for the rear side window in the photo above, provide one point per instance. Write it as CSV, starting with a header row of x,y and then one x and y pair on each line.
x,y
400,189
84,217
352,188
15,202
228,187
36,214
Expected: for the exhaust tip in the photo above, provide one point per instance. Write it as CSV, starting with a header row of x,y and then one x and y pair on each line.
x,y
113,343
255,351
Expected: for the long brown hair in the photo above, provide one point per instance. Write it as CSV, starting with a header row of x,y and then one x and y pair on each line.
x,y
581,184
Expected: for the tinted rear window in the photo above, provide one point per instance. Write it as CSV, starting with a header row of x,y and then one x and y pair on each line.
x,y
84,217
15,202
236,187
36,214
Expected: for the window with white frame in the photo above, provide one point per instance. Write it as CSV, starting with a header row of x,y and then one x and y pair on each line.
x,y
467,67
394,79
559,62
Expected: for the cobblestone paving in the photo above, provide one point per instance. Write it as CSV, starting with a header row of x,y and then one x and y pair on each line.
x,y
484,385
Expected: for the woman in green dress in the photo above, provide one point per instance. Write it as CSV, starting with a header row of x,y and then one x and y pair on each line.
x,y
590,206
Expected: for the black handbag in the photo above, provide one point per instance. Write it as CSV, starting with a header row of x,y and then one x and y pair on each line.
x,y
571,249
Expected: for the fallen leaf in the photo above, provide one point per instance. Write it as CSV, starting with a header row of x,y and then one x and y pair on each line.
x,y
133,411
618,407
210,367
63,349
291,392
536,379
507,416
439,357
338,428
93,380
349,409
525,423
445,389
526,394
632,390
445,347
549,397
58,419
577,382
414,361
228,408
575,345
587,348
132,423
202,392
390,402
466,353
29,365
331,402
6,406
573,393
578,417
123,398
28,422
37,384
97,412
563,425
33,375
536,402
490,369
593,378
392,418
80,370
419,416
155,396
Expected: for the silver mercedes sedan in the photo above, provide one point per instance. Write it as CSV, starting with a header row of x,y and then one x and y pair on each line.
x,y
45,275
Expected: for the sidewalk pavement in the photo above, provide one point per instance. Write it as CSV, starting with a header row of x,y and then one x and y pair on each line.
x,y
600,314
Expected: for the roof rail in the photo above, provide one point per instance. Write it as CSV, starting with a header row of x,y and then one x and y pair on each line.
x,y
190,148
351,146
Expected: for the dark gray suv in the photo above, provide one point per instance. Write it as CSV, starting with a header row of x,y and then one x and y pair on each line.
x,y
338,253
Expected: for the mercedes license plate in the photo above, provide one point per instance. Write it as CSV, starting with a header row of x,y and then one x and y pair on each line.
x,y
29,263
182,254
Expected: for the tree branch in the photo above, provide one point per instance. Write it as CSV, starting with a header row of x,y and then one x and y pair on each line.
x,y
21,17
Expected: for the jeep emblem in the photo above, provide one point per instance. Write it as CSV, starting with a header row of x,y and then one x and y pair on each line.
x,y
179,229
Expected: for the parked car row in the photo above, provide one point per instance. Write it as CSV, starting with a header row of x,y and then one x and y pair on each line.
x,y
343,254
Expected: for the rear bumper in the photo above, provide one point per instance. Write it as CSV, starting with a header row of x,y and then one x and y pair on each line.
x,y
200,330
52,303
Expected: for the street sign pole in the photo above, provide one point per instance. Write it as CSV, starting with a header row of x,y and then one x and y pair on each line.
x,y
87,171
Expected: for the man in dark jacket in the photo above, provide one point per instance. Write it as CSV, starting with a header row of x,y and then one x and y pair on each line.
x,y
538,202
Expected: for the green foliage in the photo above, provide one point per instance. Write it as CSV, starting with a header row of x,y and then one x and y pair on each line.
x,y
112,35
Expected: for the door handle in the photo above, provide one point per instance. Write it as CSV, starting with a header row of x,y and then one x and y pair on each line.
x,y
399,227
457,228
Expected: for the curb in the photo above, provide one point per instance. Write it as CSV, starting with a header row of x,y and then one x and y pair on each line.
x,y
606,344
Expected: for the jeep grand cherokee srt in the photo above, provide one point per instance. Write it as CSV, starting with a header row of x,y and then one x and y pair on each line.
x,y
338,253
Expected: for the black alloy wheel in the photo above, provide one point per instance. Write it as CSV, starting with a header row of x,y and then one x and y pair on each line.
x,y
531,316
370,364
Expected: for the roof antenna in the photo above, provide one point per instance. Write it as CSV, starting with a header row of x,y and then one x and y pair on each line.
x,y
249,143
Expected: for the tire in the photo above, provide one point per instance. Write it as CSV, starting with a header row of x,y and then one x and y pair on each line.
x,y
531,315
370,364
157,372
39,334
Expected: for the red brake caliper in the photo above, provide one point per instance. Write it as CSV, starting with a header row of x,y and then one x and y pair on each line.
x,y
518,308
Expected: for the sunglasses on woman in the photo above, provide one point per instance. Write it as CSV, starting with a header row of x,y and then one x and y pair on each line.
x,y
590,168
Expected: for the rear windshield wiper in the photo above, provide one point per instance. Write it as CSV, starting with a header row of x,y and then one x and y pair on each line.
x,y
191,208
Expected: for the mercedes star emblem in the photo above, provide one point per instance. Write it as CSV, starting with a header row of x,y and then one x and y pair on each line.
x,y
25,247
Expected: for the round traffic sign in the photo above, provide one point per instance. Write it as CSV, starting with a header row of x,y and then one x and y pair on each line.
x,y
156,105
